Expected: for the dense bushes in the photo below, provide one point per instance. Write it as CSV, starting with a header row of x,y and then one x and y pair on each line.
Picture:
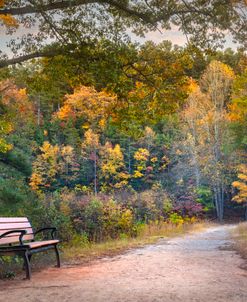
x,y
103,217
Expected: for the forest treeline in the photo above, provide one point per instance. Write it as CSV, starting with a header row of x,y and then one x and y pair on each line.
x,y
133,134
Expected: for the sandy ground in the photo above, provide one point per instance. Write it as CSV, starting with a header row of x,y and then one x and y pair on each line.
x,y
197,267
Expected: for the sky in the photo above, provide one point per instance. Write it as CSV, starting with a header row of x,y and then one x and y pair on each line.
x,y
173,35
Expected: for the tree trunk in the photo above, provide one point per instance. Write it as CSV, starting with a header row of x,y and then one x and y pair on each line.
x,y
95,172
219,201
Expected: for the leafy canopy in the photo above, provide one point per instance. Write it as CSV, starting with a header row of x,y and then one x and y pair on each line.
x,y
70,25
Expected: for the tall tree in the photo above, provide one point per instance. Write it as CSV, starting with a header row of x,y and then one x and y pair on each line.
x,y
45,169
206,119
92,107
113,171
90,149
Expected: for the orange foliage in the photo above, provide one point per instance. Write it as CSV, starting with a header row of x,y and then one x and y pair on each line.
x,y
95,107
7,20
15,99
241,184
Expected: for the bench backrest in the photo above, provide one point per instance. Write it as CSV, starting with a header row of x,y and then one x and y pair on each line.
x,y
15,223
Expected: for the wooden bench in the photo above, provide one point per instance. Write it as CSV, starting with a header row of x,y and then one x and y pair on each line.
x,y
17,238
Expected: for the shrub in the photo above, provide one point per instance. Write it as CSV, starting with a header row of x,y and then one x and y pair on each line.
x,y
117,220
175,218
45,213
205,198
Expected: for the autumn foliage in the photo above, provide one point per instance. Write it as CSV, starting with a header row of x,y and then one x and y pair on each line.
x,y
143,136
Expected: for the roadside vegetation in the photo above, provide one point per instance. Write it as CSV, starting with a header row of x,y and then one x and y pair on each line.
x,y
240,238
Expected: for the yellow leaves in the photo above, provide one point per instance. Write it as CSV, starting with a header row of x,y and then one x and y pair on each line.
x,y
53,162
124,175
137,174
140,168
219,67
86,102
140,92
193,86
117,153
112,158
139,85
4,146
107,169
238,106
102,123
65,112
49,151
45,167
67,151
36,181
242,176
120,184
241,185
91,139
112,166
228,71
235,114
23,92
85,126
126,220
6,127
141,154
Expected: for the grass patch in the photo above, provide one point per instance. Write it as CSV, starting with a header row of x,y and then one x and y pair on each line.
x,y
240,238
83,252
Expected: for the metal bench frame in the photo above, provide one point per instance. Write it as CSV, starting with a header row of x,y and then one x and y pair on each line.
x,y
22,247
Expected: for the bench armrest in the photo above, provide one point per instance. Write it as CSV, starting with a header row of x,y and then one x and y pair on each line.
x,y
21,232
51,229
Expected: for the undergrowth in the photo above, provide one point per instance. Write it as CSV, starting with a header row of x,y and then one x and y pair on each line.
x,y
80,250
240,237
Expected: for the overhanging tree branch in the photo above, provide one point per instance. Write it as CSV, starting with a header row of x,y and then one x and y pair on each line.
x,y
38,54
61,5
32,9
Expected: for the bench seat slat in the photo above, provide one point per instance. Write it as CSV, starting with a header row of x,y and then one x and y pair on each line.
x,y
13,219
36,244
29,231
14,226
14,239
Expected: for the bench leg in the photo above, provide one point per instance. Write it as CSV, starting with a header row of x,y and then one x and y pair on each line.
x,y
27,258
24,264
57,256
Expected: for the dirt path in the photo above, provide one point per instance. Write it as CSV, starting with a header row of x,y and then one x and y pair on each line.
x,y
198,267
